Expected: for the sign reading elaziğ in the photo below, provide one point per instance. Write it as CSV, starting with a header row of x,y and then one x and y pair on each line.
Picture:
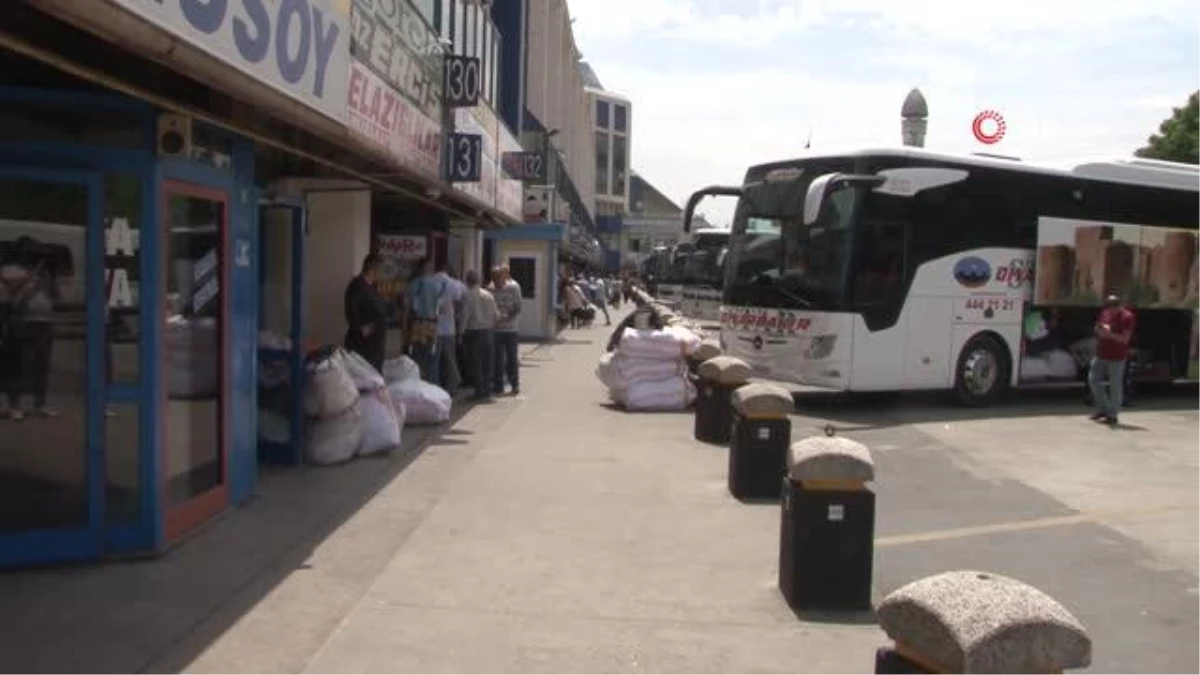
x,y
297,47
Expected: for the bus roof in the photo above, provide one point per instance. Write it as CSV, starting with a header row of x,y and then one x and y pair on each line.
x,y
1132,171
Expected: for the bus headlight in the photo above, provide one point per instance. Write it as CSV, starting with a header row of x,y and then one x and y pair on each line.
x,y
820,347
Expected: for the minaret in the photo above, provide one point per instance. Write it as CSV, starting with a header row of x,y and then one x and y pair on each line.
x,y
914,116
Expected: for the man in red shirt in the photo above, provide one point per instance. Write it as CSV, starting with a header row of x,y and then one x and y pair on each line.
x,y
1114,330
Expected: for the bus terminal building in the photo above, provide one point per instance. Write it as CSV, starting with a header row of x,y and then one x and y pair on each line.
x,y
181,178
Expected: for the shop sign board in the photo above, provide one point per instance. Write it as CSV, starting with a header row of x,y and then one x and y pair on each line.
x,y
392,39
300,48
378,114
510,191
480,121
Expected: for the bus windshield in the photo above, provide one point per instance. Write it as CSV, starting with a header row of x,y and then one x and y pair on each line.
x,y
703,265
777,261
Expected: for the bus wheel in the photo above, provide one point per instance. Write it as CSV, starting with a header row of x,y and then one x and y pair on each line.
x,y
982,371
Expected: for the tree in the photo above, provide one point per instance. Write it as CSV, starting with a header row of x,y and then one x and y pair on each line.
x,y
1178,137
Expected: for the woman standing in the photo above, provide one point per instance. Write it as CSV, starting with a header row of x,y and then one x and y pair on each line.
x,y
28,331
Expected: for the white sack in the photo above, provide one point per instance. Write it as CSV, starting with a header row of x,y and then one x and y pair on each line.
x,y
674,394
607,370
381,428
365,377
1061,364
650,344
330,389
400,369
424,403
273,427
1034,368
686,337
333,440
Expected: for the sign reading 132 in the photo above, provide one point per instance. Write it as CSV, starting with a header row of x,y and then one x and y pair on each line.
x,y
464,81
463,157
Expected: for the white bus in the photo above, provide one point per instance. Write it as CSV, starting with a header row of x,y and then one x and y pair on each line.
x,y
905,269
703,275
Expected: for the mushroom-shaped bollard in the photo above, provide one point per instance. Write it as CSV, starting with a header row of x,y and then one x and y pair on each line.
x,y
827,530
978,622
718,378
762,433
708,349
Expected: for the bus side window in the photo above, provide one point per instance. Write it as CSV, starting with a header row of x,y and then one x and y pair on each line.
x,y
879,274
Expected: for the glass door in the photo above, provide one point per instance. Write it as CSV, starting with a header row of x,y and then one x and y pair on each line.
x,y
51,384
196,324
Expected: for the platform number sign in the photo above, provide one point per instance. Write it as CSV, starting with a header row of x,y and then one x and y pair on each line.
x,y
522,165
464,153
464,81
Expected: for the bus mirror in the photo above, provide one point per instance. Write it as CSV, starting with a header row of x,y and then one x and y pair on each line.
x,y
711,191
826,184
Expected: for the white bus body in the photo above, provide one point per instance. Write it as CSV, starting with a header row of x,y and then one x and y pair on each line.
x,y
955,319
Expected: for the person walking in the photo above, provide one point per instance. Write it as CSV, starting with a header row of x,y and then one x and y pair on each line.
x,y
600,292
447,330
423,295
507,293
366,330
479,323
1114,331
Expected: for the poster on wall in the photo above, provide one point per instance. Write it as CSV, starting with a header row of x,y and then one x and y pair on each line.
x,y
398,256
1080,262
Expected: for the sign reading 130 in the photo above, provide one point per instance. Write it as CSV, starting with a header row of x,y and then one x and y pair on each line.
x,y
463,157
463,81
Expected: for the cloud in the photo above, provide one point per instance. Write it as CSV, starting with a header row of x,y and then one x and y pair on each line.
x,y
718,86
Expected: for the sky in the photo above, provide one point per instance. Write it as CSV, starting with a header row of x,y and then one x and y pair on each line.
x,y
719,85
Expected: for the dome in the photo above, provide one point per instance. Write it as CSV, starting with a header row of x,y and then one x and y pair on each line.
x,y
914,105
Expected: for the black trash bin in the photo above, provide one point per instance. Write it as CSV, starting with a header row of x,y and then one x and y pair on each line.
x,y
827,526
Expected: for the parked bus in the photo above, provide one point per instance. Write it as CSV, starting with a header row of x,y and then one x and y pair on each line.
x,y
907,269
703,275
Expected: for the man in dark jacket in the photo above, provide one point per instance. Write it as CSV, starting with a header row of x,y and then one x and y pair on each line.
x,y
366,331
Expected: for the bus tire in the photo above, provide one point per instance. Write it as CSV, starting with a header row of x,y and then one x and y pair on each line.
x,y
982,372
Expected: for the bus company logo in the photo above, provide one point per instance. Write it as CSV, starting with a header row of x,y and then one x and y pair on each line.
x,y
972,272
1017,273
989,127
764,320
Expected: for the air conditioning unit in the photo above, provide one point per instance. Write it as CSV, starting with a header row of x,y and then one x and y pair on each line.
x,y
174,135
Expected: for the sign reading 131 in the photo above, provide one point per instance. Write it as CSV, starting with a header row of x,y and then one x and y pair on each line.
x,y
463,157
464,81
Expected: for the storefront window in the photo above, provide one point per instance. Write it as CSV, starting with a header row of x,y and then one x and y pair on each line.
x,y
122,489
43,355
211,147
122,277
193,346
601,163
619,162
40,122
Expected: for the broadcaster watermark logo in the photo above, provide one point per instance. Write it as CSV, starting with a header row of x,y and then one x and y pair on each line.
x,y
989,127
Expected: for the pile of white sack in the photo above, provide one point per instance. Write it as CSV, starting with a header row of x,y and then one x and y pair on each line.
x,y
648,369
349,409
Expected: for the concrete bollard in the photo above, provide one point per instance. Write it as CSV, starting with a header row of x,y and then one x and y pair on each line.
x,y
718,378
708,349
827,530
978,622
761,434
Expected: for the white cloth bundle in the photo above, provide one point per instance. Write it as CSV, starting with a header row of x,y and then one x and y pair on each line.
x,y
676,393
671,343
400,369
424,403
333,440
365,377
330,389
382,420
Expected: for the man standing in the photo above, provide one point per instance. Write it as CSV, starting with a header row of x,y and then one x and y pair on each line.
x,y
507,293
479,323
1114,330
600,292
447,332
366,332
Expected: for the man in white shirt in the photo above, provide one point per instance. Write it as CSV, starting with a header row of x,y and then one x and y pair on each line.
x,y
447,328
479,323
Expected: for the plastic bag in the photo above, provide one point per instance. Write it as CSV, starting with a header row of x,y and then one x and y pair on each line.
x,y
401,369
333,440
424,403
330,389
381,428
365,377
